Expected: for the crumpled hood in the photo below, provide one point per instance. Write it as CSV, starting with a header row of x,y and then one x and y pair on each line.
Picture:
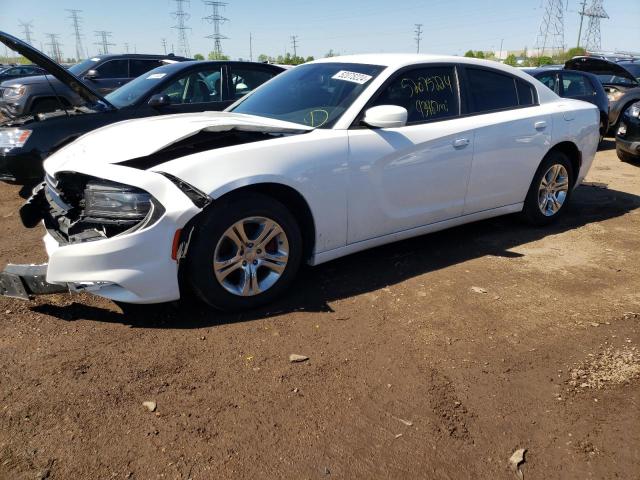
x,y
131,139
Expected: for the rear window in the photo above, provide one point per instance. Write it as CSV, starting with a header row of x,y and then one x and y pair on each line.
x,y
526,95
137,66
491,91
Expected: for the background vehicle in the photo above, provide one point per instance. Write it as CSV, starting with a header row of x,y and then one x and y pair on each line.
x,y
328,158
11,73
580,86
621,81
628,134
104,73
177,87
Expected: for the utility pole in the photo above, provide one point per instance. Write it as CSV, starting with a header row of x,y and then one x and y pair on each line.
x,y
500,55
551,32
104,38
250,46
164,45
294,42
126,47
54,45
595,13
582,14
26,30
216,19
418,37
181,17
75,19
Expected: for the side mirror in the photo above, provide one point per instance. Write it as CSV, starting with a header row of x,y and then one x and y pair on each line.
x,y
159,100
91,74
386,116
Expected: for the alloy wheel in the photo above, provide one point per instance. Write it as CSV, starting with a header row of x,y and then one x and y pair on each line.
x,y
553,190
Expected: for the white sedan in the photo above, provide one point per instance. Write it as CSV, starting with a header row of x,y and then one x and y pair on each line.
x,y
329,158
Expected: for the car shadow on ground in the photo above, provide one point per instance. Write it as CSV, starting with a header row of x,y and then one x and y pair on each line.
x,y
607,144
373,269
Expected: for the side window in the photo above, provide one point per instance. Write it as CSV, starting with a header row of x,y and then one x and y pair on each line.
x,y
196,87
491,91
245,79
576,85
429,93
526,94
137,66
549,79
114,69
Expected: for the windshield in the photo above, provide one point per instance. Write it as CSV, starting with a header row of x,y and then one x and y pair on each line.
x,y
137,88
315,94
82,67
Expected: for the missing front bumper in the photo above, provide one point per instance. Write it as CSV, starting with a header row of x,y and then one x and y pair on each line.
x,y
25,281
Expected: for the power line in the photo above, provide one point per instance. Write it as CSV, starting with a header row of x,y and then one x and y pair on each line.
x,y
294,43
181,17
54,46
75,18
104,41
26,30
216,19
595,13
551,34
418,37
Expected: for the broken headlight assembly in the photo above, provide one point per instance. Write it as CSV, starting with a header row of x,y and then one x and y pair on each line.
x,y
113,201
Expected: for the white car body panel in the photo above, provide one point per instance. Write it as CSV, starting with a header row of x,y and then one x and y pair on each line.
x,y
364,187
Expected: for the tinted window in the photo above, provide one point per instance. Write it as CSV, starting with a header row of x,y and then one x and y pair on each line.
x,y
427,94
491,90
196,87
315,94
549,79
114,69
138,67
526,95
245,79
576,85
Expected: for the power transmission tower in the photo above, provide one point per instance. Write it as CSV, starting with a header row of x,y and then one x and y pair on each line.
x,y
26,30
418,37
595,12
250,46
181,17
75,18
216,19
104,41
54,46
294,43
551,34
164,45
126,47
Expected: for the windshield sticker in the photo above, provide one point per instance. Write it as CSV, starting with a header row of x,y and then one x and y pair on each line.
x,y
155,76
355,77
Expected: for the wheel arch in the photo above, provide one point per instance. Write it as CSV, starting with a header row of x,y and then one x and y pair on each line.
x,y
572,151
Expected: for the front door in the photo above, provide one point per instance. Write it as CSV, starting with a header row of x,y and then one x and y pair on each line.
x,y
407,177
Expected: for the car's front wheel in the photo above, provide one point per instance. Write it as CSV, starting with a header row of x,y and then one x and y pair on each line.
x,y
550,189
244,252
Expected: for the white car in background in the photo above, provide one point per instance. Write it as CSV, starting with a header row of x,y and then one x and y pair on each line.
x,y
329,158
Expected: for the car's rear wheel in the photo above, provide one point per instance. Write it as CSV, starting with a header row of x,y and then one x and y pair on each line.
x,y
625,156
244,252
550,189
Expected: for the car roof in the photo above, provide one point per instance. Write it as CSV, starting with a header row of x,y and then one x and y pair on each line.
x,y
179,66
154,56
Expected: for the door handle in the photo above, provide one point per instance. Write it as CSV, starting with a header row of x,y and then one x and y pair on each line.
x,y
461,142
540,125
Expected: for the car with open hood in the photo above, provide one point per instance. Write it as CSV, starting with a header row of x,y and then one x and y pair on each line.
x,y
621,81
175,87
326,159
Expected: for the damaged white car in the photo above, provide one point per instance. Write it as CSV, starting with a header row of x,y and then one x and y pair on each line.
x,y
329,158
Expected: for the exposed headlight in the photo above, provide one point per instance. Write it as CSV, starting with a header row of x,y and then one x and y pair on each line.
x,y
13,138
634,110
614,95
113,201
14,92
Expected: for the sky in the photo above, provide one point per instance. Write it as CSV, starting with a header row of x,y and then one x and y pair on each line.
x,y
354,26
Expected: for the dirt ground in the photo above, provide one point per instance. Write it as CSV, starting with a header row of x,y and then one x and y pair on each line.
x,y
434,358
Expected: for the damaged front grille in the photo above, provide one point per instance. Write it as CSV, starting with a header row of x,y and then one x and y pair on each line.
x,y
79,208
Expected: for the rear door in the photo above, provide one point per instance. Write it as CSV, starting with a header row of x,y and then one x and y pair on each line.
x,y
512,136
111,75
246,77
550,79
578,86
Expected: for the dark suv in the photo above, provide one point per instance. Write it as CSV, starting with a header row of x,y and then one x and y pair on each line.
x,y
102,73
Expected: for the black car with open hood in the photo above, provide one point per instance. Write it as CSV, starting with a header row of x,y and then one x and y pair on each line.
x,y
177,87
621,81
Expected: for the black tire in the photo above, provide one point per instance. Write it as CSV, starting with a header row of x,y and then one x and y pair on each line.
x,y
199,272
626,157
45,106
532,211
